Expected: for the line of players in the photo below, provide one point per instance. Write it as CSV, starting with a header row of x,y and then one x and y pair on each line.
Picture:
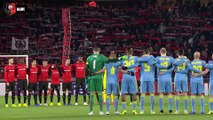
x,y
97,64
38,76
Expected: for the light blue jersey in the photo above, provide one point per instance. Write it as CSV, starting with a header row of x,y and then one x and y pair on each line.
x,y
164,80
196,83
112,71
210,67
129,84
147,68
198,65
147,74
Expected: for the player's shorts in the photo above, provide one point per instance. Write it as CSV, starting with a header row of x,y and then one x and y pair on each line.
x,y
211,88
32,87
55,86
22,84
181,86
80,82
164,86
66,86
147,86
43,85
11,87
129,85
196,88
96,84
112,88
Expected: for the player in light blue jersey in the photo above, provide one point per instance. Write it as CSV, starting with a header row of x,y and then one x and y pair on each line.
x,y
147,79
129,84
111,68
209,67
165,67
196,83
182,66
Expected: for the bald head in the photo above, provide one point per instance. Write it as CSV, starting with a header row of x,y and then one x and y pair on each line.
x,y
197,55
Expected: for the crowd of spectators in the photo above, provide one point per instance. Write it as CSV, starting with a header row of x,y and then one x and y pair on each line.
x,y
184,24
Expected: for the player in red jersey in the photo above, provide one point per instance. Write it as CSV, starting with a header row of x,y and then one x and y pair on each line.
x,y
21,71
80,66
43,81
9,75
66,71
33,79
55,84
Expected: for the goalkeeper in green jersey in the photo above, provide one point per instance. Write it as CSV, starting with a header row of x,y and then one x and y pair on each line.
x,y
95,62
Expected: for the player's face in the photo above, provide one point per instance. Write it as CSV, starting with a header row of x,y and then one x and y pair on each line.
x,y
34,63
67,62
80,59
44,63
11,61
112,54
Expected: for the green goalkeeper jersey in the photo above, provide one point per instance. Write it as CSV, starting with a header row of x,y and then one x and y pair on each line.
x,y
95,63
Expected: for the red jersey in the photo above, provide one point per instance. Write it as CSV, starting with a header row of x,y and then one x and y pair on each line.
x,y
80,69
137,73
21,70
9,73
55,76
120,75
33,74
66,73
44,73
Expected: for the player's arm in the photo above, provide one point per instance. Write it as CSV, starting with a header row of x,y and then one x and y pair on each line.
x,y
151,62
190,67
100,71
168,71
145,59
209,66
160,66
178,62
61,70
183,71
6,75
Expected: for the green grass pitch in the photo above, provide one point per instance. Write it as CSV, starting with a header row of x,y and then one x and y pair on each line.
x,y
80,112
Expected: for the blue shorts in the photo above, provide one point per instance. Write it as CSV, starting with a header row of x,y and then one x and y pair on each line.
x,y
196,88
181,86
129,85
211,88
112,88
164,86
147,86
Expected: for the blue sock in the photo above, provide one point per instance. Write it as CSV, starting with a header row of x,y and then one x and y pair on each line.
x,y
202,104
124,105
193,104
134,104
107,104
161,103
116,103
152,101
211,106
142,104
170,103
177,102
185,104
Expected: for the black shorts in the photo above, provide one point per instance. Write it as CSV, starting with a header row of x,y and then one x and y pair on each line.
x,y
80,82
22,85
67,86
11,87
55,86
32,87
43,85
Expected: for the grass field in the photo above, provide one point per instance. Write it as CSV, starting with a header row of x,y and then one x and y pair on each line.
x,y
80,112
